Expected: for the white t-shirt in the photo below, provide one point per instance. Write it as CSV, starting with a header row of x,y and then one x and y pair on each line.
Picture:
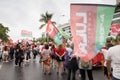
x,y
46,52
69,50
5,53
114,56
105,52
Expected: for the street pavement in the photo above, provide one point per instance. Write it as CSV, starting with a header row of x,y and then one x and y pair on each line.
x,y
33,71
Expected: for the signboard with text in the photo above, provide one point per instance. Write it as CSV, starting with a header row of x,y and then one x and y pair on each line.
x,y
25,33
90,25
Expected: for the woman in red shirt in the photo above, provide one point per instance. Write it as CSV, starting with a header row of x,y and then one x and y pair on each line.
x,y
60,52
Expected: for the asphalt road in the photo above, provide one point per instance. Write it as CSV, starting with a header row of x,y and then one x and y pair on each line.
x,y
33,71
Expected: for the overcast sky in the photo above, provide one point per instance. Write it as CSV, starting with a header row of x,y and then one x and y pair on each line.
x,y
25,14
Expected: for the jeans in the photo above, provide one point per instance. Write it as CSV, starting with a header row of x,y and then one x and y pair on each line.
x,y
73,72
28,56
18,60
89,73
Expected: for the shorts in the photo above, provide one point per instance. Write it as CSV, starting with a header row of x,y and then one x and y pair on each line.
x,y
60,59
5,54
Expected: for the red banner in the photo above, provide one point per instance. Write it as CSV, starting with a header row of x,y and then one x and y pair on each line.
x,y
54,33
115,29
83,26
51,29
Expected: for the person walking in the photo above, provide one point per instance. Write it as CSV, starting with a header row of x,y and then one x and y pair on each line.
x,y
19,55
46,59
5,54
72,67
53,56
85,66
28,56
113,59
11,52
104,50
1,51
35,52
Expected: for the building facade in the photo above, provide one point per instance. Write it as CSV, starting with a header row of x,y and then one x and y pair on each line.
x,y
65,27
116,16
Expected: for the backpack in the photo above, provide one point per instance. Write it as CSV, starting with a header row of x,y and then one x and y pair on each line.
x,y
84,64
72,63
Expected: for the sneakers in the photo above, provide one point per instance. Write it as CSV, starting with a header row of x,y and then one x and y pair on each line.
x,y
6,61
16,65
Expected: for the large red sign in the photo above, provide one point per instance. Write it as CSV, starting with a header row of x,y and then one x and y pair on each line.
x,y
83,26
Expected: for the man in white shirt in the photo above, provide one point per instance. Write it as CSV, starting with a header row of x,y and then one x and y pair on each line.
x,y
113,57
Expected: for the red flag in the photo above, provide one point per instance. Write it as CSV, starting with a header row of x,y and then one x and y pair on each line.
x,y
54,33
51,29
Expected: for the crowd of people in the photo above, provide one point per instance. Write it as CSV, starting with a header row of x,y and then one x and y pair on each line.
x,y
62,59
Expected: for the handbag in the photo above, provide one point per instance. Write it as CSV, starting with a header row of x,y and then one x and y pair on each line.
x,y
84,64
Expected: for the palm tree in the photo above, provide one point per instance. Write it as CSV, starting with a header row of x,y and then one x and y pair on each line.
x,y
44,18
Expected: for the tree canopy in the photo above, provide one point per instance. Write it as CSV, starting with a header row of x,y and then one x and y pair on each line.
x,y
4,33
44,18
